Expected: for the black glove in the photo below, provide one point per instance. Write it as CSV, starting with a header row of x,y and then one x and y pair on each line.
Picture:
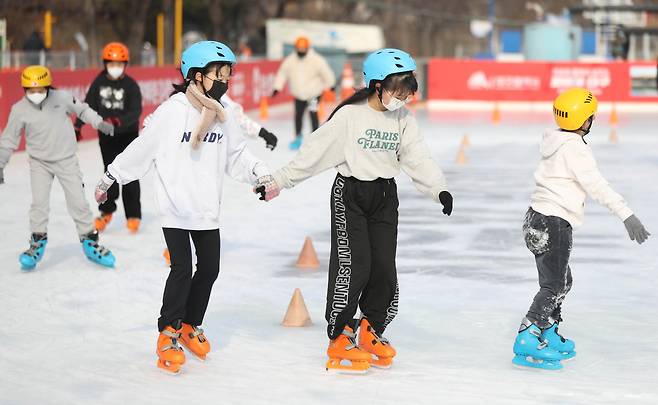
x,y
275,92
270,138
446,199
636,230
2,175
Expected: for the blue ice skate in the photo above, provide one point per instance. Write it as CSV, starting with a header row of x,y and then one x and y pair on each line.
x,y
95,252
34,254
297,143
566,347
532,351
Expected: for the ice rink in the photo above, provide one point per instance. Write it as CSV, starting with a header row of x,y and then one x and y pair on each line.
x,y
77,333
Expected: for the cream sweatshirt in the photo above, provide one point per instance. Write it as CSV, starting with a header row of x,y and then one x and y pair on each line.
x,y
308,77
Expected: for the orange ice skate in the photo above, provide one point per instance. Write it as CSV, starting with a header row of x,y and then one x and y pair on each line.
x,y
170,355
344,349
381,351
193,339
133,224
102,221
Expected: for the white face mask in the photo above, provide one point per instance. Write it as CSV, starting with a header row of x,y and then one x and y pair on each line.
x,y
36,98
394,103
115,72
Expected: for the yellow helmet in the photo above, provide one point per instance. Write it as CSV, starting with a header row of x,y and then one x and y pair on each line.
x,y
573,107
36,76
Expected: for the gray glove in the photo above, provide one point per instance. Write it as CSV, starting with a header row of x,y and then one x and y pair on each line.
x,y
636,230
2,175
106,128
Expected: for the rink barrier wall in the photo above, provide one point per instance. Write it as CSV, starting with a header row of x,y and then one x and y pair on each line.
x,y
250,82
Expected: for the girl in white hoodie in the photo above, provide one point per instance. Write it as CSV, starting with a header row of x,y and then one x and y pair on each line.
x,y
567,173
190,142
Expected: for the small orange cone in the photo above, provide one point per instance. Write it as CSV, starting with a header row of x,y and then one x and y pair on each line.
x,y
321,109
264,114
466,142
308,259
347,81
614,119
297,314
165,254
461,156
613,136
495,115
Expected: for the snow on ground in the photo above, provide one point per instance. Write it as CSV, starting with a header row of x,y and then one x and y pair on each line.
x,y
76,333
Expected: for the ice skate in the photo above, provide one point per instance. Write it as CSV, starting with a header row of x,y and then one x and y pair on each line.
x,y
101,222
34,254
193,339
381,351
170,354
532,351
566,347
95,252
344,349
133,224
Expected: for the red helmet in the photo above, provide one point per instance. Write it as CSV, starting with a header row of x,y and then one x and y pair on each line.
x,y
116,52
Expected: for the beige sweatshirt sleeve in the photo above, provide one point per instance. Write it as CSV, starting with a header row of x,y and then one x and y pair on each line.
x,y
416,161
580,160
323,149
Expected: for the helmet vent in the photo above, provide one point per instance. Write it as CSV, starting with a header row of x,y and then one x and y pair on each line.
x,y
399,66
560,113
589,98
220,54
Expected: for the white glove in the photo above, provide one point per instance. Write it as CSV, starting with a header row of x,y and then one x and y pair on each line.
x,y
266,187
100,194
106,128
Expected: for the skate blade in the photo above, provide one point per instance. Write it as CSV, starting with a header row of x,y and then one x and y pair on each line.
x,y
353,367
168,367
568,356
381,362
531,362
201,357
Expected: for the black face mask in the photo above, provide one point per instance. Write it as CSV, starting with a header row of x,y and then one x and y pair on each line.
x,y
217,90
301,54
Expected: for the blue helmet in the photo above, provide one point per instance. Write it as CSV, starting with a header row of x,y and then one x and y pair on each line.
x,y
384,62
202,53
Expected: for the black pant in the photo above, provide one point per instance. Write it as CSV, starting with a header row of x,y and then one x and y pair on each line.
x,y
186,297
111,147
362,271
300,107
549,238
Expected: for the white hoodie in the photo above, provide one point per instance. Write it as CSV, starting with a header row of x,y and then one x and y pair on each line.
x,y
189,182
567,173
308,76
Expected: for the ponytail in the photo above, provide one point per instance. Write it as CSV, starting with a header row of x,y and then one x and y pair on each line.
x,y
359,96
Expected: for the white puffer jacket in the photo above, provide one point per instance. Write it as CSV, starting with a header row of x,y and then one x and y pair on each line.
x,y
567,173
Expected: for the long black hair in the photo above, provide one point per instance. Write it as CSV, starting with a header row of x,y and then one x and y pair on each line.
x,y
404,81
211,67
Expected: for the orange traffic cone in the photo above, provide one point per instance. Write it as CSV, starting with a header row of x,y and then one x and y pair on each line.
x,y
308,259
461,156
613,136
614,119
165,254
321,109
347,81
297,314
263,108
495,115
466,142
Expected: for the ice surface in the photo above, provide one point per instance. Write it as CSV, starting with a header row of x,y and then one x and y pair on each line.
x,y
73,332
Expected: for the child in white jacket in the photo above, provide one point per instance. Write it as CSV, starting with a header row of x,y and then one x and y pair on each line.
x,y
190,142
567,173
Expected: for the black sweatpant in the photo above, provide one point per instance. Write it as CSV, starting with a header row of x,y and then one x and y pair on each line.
x,y
300,107
550,239
185,297
111,147
362,271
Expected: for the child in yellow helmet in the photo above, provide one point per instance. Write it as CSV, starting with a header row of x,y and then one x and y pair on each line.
x,y
43,114
566,175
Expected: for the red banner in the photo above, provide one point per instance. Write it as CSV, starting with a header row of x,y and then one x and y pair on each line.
x,y
250,82
539,81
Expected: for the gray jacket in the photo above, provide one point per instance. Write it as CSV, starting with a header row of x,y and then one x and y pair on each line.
x,y
49,134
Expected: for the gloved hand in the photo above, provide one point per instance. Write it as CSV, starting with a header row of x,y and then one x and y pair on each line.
x,y
270,138
116,121
100,194
2,175
266,187
106,128
275,92
78,133
636,230
446,199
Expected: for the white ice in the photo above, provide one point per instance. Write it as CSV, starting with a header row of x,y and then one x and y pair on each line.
x,y
74,333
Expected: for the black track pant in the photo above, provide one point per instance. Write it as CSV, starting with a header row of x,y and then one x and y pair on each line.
x,y
549,238
364,227
186,297
111,147
300,107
